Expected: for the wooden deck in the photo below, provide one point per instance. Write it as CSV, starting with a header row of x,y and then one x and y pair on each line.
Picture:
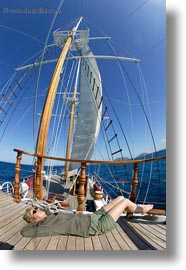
x,y
136,234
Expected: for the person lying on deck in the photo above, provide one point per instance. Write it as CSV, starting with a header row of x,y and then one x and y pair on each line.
x,y
42,223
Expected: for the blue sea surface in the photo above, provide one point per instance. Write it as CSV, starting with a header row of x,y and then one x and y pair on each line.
x,y
151,177
151,180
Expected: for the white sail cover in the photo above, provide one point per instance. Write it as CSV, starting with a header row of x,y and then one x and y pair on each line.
x,y
89,110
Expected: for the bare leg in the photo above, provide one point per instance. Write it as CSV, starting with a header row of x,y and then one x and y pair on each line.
x,y
113,203
125,205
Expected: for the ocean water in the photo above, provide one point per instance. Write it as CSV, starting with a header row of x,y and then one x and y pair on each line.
x,y
151,177
151,181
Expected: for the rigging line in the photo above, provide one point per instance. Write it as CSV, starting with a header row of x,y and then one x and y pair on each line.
x,y
111,173
67,26
54,124
135,104
158,162
111,185
17,85
40,67
100,121
60,122
129,16
144,89
102,180
129,102
96,107
15,108
64,106
100,117
142,106
118,144
154,47
8,65
143,97
21,32
94,100
59,127
5,64
75,179
105,138
34,55
8,82
112,41
18,122
115,115
122,130
148,186
53,147
125,138
88,64
124,49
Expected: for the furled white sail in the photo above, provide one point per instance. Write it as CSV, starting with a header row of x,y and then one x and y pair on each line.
x,y
89,111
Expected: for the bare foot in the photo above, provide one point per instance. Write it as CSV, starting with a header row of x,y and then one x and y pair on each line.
x,y
143,208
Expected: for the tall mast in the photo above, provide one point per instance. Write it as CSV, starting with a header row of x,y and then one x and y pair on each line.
x,y
49,102
71,121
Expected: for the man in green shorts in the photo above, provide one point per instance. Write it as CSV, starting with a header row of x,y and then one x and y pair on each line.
x,y
41,223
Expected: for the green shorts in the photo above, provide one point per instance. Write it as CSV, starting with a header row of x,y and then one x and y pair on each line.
x,y
101,222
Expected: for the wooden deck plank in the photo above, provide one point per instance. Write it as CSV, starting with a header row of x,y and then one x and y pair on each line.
x,y
104,242
128,235
10,213
161,225
4,201
43,243
80,243
127,241
8,221
53,242
71,243
147,234
134,236
33,243
8,207
88,243
22,243
111,239
6,236
12,223
62,244
4,195
153,231
150,237
121,242
96,243
15,238
160,229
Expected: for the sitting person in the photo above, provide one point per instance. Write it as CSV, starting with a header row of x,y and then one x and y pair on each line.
x,y
42,223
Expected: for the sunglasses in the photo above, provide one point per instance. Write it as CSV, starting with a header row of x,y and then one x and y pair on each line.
x,y
35,210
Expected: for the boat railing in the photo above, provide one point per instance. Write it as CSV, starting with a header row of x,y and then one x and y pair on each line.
x,y
83,178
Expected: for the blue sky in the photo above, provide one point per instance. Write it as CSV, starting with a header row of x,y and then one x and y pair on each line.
x,y
137,28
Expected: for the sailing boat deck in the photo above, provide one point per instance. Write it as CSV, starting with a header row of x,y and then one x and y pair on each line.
x,y
137,234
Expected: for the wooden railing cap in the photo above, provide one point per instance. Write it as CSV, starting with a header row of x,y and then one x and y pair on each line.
x,y
132,161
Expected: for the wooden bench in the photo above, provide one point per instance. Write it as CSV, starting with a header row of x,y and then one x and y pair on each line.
x,y
156,212
153,211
